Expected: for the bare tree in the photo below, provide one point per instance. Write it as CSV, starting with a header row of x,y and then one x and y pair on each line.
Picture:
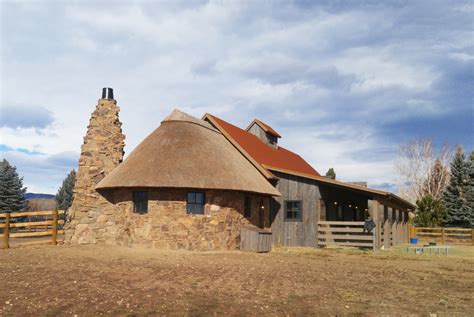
x,y
422,170
41,204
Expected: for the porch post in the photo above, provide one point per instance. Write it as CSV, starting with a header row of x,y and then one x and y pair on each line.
x,y
395,231
386,231
374,212
397,221
391,225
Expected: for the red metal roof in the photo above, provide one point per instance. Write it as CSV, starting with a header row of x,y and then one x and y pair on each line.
x,y
267,156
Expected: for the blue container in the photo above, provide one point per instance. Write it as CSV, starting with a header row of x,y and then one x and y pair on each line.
x,y
413,240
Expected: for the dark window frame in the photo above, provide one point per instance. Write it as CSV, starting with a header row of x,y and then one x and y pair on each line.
x,y
140,204
272,139
299,218
248,207
193,207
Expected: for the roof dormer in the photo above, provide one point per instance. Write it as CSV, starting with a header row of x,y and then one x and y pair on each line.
x,y
264,132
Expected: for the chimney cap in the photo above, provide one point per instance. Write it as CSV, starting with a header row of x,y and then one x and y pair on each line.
x,y
107,93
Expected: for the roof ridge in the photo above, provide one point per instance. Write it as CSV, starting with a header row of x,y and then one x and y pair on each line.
x,y
179,116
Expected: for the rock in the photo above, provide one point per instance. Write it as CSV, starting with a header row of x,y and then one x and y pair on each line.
x,y
215,208
101,152
102,220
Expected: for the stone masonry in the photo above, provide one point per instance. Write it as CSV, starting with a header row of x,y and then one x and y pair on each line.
x,y
166,225
108,217
101,152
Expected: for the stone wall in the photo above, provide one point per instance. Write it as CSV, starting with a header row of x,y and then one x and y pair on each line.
x,y
168,226
108,217
101,152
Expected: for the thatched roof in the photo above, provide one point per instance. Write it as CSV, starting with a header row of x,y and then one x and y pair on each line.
x,y
187,152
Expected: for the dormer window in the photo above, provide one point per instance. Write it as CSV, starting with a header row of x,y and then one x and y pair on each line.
x,y
264,132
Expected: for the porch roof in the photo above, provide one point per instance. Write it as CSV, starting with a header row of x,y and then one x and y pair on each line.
x,y
331,182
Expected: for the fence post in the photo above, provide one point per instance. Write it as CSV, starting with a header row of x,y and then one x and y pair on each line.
x,y
442,235
55,227
6,232
374,238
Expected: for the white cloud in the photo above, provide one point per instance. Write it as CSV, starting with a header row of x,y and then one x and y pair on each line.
x,y
42,173
329,77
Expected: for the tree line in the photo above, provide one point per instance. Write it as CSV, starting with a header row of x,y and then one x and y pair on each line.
x,y
440,183
12,191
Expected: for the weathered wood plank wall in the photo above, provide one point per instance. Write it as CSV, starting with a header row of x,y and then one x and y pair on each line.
x,y
256,240
296,233
256,130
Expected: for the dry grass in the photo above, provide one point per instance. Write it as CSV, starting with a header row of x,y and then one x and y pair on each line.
x,y
100,280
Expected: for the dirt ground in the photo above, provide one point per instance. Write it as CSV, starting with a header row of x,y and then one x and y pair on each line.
x,y
100,280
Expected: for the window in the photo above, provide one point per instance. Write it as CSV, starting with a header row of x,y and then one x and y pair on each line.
x,y
272,139
140,202
293,210
248,207
195,203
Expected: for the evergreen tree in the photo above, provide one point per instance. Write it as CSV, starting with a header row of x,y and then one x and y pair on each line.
x,y
12,192
454,198
65,193
331,173
470,188
429,212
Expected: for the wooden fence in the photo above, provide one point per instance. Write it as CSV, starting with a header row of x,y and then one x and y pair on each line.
x,y
444,234
345,233
392,233
48,226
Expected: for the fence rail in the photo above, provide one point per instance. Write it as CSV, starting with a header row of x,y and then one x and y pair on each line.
x,y
344,233
444,234
50,226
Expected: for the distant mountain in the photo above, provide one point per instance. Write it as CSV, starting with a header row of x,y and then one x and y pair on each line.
x,y
29,196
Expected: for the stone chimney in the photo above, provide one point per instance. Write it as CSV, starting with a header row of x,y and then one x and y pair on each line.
x,y
101,152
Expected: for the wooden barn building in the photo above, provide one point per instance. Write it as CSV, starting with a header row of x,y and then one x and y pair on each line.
x,y
205,184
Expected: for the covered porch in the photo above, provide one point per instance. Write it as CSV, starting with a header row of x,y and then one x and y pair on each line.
x,y
346,209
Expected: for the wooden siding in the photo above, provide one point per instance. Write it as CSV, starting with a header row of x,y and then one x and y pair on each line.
x,y
255,240
296,233
255,129
318,206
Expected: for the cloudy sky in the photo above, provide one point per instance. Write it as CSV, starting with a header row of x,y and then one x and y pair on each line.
x,y
343,82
